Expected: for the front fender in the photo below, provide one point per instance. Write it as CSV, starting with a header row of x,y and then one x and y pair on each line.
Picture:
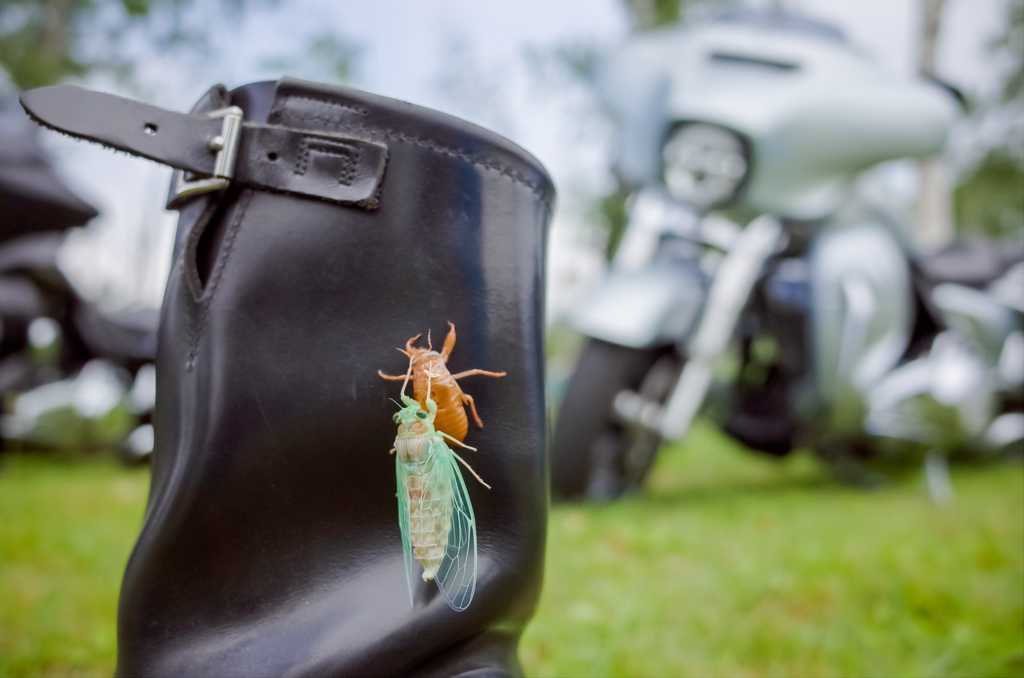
x,y
640,309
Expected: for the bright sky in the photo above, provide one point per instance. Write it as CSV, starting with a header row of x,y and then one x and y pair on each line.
x,y
465,57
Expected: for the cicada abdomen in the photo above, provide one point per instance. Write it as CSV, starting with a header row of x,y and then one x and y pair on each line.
x,y
434,510
430,500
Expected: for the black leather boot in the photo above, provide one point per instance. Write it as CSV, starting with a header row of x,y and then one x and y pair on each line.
x,y
352,222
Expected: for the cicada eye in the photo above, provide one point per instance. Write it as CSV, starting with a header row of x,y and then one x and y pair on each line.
x,y
394,418
421,414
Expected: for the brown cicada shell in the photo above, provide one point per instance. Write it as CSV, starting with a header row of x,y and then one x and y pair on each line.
x,y
429,367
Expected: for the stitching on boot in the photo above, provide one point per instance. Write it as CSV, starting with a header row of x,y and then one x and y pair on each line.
x,y
346,152
190,265
189,275
203,303
337,122
355,109
188,302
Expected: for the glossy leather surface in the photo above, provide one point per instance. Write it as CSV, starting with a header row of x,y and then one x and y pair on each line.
x,y
174,139
271,543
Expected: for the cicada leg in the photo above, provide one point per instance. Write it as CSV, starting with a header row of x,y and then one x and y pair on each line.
x,y
469,373
471,470
408,344
457,441
468,399
449,342
405,353
408,374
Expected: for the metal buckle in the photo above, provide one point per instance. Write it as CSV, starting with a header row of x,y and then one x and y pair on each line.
x,y
226,147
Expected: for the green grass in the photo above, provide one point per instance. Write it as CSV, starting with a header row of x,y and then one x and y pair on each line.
x,y
66,529
736,565
729,565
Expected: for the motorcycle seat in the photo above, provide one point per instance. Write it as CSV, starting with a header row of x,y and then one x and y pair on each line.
x,y
972,262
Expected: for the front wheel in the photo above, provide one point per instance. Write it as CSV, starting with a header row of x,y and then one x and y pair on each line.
x,y
594,455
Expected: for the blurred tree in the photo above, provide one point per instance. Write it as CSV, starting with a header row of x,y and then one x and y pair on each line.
x,y
933,219
990,199
337,55
612,212
647,15
990,202
43,42
1012,44
327,58
35,40
650,14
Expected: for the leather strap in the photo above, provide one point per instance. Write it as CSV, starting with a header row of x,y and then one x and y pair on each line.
x,y
335,167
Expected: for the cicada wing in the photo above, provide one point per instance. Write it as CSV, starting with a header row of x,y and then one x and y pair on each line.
x,y
456,577
411,566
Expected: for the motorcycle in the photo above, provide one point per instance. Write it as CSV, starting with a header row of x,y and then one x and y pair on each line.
x,y
72,374
848,340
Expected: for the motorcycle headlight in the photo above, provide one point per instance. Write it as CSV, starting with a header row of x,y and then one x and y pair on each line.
x,y
703,165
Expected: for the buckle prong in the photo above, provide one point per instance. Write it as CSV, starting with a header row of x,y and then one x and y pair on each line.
x,y
225,145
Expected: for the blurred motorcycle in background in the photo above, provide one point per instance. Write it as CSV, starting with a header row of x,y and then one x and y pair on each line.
x,y
72,375
849,341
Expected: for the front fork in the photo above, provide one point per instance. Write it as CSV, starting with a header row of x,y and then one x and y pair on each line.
x,y
734,281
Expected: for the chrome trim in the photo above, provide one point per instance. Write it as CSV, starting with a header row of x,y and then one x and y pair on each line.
x,y
729,292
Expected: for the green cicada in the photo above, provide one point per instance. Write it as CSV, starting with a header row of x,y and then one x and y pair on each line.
x,y
434,511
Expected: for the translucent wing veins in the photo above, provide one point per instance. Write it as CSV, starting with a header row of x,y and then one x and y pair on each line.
x,y
456,575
